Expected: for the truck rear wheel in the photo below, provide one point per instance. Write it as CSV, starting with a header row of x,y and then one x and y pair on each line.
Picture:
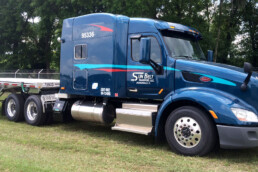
x,y
33,111
189,131
14,107
3,108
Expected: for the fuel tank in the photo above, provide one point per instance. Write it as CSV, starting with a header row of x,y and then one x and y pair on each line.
x,y
94,112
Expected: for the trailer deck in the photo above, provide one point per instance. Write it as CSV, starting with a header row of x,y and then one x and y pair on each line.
x,y
9,83
23,79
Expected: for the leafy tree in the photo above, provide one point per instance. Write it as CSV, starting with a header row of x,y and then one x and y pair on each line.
x,y
27,44
14,28
250,27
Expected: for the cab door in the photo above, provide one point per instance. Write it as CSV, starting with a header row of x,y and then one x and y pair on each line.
x,y
142,80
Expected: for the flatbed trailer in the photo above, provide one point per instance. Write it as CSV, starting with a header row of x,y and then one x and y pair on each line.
x,y
29,80
43,91
14,83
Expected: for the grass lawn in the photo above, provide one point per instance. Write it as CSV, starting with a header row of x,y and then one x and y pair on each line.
x,y
81,146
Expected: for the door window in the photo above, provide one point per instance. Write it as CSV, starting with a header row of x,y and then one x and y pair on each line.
x,y
155,50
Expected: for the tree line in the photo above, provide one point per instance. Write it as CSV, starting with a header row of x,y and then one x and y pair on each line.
x,y
29,28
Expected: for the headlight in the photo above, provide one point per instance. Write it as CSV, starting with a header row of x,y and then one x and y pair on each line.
x,y
244,115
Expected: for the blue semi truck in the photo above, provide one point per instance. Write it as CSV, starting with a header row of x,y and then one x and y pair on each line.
x,y
148,77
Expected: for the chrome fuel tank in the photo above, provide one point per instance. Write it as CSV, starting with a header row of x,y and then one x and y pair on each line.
x,y
95,112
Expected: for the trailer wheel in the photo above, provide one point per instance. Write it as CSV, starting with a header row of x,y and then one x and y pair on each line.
x,y
13,107
33,111
189,131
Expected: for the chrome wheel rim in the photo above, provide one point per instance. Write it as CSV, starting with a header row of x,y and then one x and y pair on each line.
x,y
32,111
187,132
11,108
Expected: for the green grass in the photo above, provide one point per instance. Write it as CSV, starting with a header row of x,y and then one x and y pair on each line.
x,y
81,146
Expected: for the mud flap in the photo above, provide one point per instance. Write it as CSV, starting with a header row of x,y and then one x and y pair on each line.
x,y
62,111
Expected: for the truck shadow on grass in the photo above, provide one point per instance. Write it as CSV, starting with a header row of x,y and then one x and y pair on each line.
x,y
93,130
97,130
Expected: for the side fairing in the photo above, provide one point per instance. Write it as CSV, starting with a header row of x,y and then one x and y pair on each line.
x,y
66,58
104,38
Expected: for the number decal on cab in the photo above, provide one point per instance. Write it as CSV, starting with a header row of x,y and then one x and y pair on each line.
x,y
88,35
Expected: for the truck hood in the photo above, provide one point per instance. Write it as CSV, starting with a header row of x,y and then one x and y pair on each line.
x,y
220,76
234,68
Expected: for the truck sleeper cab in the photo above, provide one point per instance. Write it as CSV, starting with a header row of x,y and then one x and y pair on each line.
x,y
152,77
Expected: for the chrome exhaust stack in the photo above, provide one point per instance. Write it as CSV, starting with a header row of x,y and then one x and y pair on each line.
x,y
95,112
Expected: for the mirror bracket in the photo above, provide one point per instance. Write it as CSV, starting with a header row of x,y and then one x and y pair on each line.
x,y
248,68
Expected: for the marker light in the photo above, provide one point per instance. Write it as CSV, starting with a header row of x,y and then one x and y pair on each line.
x,y
59,40
193,31
160,91
213,114
244,115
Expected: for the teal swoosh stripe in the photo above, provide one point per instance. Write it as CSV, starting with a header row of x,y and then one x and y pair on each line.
x,y
171,68
218,80
96,66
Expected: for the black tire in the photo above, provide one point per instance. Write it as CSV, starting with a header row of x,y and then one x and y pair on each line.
x,y
3,108
13,107
189,131
33,111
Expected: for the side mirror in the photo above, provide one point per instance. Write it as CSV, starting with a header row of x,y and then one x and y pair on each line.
x,y
210,55
248,68
145,47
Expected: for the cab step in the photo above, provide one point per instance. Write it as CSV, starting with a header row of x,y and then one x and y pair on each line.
x,y
136,118
148,107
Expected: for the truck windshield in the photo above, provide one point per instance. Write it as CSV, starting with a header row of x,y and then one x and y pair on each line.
x,y
181,45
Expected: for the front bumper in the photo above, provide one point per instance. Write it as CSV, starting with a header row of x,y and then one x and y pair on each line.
x,y
232,137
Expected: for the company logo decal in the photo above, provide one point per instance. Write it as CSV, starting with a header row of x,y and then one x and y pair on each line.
x,y
205,79
142,78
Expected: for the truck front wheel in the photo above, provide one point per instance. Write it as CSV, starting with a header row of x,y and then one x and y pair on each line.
x,y
33,111
189,131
